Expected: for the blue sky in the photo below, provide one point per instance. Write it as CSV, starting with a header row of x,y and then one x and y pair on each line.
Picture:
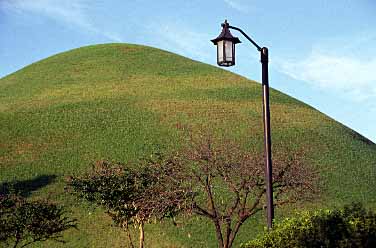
x,y
321,52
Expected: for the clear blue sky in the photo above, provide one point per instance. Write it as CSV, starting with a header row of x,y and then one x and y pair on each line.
x,y
321,52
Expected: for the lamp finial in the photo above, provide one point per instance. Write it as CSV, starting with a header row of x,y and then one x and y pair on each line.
x,y
225,24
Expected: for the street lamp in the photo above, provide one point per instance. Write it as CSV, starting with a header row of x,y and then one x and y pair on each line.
x,y
225,43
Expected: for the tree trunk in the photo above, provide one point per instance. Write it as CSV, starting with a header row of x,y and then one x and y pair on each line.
x,y
228,231
129,235
218,231
141,227
235,231
215,218
18,238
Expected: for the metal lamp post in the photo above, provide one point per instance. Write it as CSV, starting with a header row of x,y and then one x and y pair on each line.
x,y
225,43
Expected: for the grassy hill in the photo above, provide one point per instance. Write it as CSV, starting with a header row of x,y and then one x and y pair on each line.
x,y
122,102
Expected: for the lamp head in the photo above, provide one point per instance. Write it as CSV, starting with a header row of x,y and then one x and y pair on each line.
x,y
225,43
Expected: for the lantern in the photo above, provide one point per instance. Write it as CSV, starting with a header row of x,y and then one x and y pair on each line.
x,y
225,43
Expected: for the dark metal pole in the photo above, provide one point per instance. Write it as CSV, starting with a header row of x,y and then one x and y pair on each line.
x,y
266,119
267,137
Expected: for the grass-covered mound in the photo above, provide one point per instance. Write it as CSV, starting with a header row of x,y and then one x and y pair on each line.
x,y
123,102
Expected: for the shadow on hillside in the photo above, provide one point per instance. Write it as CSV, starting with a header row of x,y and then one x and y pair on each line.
x,y
360,137
26,187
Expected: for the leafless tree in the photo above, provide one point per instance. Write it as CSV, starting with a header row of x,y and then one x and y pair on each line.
x,y
225,183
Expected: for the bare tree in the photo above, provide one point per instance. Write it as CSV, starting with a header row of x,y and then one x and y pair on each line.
x,y
224,183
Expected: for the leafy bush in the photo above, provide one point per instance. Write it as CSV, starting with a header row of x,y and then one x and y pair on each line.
x,y
25,222
350,227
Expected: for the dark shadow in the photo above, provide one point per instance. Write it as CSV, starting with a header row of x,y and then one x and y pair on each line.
x,y
360,137
26,187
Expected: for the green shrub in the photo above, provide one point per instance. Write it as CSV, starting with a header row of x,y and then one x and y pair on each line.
x,y
352,226
133,196
117,187
25,222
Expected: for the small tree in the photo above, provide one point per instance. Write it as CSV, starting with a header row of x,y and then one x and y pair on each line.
x,y
119,188
226,184
25,222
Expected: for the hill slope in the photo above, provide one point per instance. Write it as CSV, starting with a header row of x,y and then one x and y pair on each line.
x,y
123,102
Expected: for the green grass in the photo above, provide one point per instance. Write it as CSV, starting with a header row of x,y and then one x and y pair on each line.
x,y
123,102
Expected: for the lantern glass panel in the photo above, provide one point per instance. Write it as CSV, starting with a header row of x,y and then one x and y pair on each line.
x,y
220,51
228,51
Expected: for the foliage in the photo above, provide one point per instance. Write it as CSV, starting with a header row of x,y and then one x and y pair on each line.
x,y
25,222
350,227
113,186
125,192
